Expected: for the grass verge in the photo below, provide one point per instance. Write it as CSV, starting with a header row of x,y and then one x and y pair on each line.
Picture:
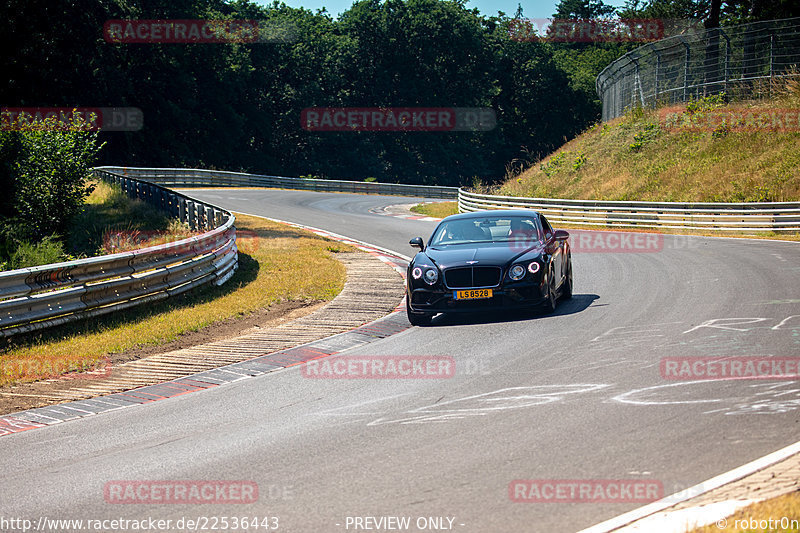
x,y
276,263
112,222
645,156
784,508
436,209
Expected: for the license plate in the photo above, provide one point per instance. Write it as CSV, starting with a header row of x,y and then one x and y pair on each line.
x,y
472,294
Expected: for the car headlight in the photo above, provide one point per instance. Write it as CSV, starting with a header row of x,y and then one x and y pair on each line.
x,y
431,276
416,273
516,272
534,267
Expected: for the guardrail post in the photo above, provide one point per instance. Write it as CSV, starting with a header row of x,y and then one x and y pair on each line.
x,y
182,210
173,205
208,215
192,215
199,216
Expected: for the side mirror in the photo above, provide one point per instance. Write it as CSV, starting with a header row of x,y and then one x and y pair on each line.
x,y
560,235
417,242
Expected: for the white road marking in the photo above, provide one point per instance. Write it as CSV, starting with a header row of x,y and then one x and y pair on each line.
x,y
491,402
714,323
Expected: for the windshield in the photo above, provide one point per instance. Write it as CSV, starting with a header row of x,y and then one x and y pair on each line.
x,y
518,229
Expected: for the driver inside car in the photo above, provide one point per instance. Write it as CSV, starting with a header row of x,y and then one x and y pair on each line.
x,y
466,231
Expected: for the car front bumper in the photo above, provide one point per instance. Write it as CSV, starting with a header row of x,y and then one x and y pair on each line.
x,y
503,298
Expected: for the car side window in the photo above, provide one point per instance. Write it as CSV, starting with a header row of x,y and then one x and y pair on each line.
x,y
548,231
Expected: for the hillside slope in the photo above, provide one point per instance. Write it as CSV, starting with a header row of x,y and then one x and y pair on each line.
x,y
705,151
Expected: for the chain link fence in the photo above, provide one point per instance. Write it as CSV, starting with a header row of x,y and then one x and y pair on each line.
x,y
700,63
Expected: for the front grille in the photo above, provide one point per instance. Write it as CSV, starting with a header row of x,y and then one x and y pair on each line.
x,y
458,277
472,277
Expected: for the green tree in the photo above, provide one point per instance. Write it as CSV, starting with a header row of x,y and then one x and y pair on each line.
x,y
583,9
712,12
237,106
581,62
49,171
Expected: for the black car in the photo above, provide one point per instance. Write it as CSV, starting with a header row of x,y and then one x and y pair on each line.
x,y
489,260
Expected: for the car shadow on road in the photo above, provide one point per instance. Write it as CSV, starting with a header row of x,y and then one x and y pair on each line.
x,y
576,304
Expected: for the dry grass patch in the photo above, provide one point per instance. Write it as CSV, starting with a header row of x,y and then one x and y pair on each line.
x,y
639,157
783,511
111,221
276,263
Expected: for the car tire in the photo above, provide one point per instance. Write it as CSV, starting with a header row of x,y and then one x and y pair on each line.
x,y
418,319
566,289
551,298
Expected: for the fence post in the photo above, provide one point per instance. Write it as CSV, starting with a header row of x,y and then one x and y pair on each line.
x,y
658,74
637,84
771,54
727,59
686,70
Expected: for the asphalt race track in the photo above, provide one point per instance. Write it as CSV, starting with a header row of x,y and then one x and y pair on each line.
x,y
577,395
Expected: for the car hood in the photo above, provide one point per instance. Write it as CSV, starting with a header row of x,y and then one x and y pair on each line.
x,y
490,254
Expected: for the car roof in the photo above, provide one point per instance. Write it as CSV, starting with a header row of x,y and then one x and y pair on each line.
x,y
494,212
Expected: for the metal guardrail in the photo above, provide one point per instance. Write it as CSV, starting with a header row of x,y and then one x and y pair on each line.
x,y
44,296
757,216
696,64
178,177
778,217
48,295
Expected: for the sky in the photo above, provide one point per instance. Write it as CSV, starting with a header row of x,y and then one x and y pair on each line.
x,y
530,8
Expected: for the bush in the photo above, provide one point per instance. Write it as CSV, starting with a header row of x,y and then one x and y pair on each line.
x,y
48,250
705,103
648,134
44,170
50,174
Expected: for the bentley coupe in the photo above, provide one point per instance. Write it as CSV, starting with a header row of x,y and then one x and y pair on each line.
x,y
489,261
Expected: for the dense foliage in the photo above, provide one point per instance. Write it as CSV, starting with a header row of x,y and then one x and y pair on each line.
x,y
44,172
237,106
